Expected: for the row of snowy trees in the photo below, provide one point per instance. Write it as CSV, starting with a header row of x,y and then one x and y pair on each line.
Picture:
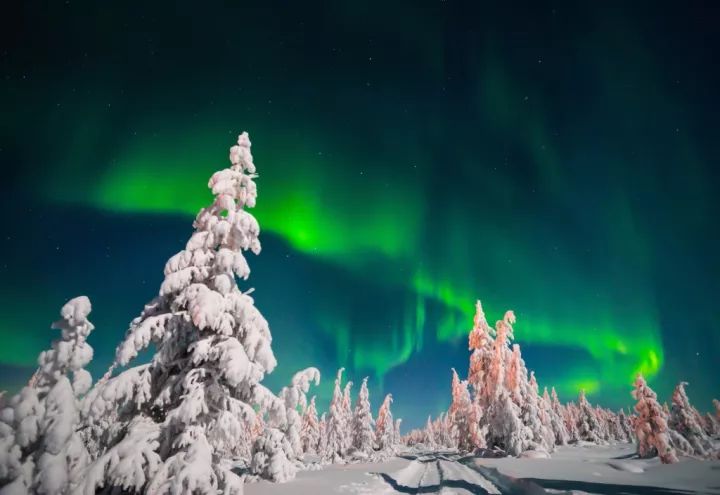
x,y
679,429
346,433
186,420
500,408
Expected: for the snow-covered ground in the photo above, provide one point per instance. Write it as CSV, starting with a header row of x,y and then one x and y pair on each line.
x,y
575,469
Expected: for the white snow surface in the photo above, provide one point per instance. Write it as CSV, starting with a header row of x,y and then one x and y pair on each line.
x,y
606,469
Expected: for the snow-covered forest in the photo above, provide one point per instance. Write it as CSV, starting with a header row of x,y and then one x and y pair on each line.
x,y
196,417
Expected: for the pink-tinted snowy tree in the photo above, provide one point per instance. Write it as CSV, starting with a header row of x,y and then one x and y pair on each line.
x,y
385,428
651,429
480,342
310,429
497,373
40,448
462,416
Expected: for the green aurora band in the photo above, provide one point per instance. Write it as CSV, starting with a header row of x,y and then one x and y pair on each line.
x,y
356,222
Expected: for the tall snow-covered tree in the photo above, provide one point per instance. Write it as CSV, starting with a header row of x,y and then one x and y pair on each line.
x,y
348,413
385,427
625,425
295,400
587,422
310,429
711,425
515,378
554,413
464,417
651,429
186,412
532,416
503,337
429,435
480,342
506,430
603,420
686,420
363,433
322,430
570,416
397,436
443,431
336,425
40,448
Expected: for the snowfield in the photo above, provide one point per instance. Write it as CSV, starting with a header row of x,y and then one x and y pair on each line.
x,y
606,470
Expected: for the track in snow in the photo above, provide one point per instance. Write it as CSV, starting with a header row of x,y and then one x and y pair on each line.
x,y
446,474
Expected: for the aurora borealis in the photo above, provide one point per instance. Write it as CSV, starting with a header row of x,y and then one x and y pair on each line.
x,y
556,160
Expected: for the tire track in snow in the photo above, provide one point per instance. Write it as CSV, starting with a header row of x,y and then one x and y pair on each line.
x,y
443,475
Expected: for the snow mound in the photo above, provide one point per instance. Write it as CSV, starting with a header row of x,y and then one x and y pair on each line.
x,y
628,467
535,454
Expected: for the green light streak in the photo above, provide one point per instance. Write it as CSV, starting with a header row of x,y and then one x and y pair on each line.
x,y
357,220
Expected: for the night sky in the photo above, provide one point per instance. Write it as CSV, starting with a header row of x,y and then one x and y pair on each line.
x,y
558,160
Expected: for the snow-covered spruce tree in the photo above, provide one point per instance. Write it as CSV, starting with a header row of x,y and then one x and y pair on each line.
x,y
686,420
459,414
554,413
651,429
295,400
40,448
363,433
587,421
497,374
443,432
348,413
625,426
615,431
429,435
536,417
176,422
570,416
480,342
531,413
336,426
506,430
603,423
514,377
271,453
711,425
397,436
385,428
322,440
465,418
310,429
